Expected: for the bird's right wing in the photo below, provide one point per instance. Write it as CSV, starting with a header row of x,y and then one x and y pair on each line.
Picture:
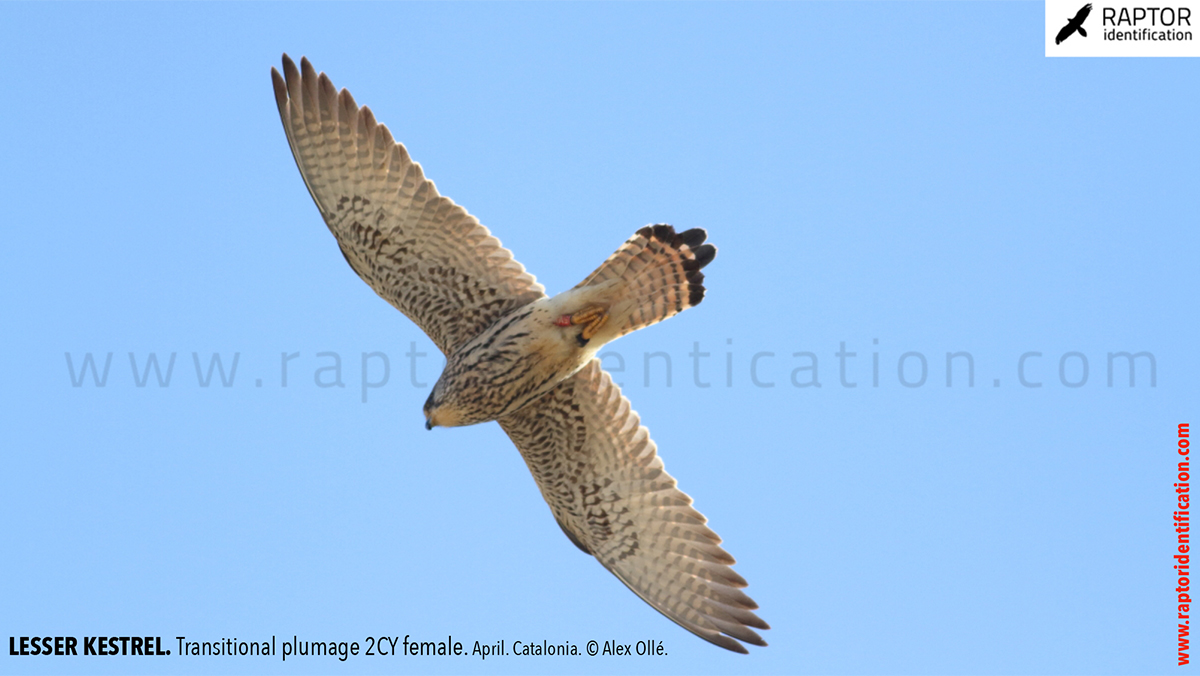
x,y
420,251
598,470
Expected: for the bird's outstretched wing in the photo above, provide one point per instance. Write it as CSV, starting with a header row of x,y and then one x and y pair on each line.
x,y
597,468
1082,14
420,251
1064,33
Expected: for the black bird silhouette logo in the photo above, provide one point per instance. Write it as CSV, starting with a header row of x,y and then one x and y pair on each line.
x,y
1075,24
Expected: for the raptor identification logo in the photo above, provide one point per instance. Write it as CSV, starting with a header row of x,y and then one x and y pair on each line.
x,y
1122,28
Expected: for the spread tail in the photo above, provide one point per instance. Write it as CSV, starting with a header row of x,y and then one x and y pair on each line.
x,y
654,275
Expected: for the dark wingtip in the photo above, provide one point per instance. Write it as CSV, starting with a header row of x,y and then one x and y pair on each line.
x,y
290,72
306,68
280,86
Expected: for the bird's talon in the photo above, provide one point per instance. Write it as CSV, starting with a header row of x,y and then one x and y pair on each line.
x,y
586,316
590,330
593,318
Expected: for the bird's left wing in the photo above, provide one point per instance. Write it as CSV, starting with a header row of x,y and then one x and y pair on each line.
x,y
598,469
417,249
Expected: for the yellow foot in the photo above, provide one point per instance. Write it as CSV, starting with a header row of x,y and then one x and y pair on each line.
x,y
592,318
591,329
588,315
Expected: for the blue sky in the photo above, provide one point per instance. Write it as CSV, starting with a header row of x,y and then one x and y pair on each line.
x,y
915,174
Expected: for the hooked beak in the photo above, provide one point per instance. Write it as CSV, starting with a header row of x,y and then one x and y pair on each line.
x,y
428,425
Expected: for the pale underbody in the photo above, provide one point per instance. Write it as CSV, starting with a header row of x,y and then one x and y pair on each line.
x,y
544,342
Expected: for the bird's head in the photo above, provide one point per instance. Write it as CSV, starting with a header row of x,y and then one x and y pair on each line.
x,y
439,412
